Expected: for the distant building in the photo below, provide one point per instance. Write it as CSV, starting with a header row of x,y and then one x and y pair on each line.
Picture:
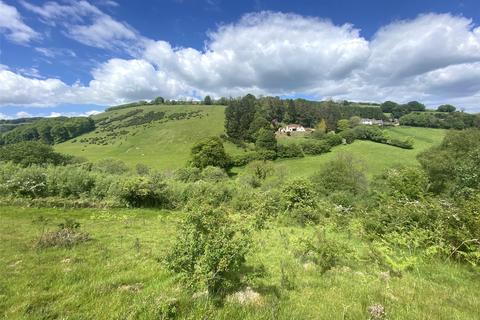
x,y
371,122
293,128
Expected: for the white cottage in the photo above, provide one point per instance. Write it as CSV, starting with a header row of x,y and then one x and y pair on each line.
x,y
292,128
371,122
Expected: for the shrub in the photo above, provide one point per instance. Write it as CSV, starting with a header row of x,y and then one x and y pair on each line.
x,y
30,181
210,152
344,173
410,182
289,151
144,192
32,152
214,174
315,147
209,252
111,166
188,174
66,236
69,181
142,169
206,193
333,139
299,193
324,252
244,158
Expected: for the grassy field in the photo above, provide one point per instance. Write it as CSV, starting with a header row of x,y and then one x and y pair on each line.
x,y
375,156
119,275
161,145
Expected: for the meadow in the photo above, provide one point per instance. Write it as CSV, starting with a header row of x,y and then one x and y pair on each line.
x,y
119,275
163,145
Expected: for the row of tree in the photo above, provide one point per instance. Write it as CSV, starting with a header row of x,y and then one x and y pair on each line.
x,y
49,130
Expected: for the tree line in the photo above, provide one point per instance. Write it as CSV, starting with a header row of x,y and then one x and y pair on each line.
x,y
49,130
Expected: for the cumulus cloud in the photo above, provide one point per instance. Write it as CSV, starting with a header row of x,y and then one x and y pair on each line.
x,y
86,24
12,25
434,58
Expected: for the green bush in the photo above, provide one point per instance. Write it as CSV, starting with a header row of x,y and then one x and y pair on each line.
x,y
323,251
206,193
209,252
144,192
344,173
30,182
111,166
214,174
299,193
313,147
69,181
32,152
289,151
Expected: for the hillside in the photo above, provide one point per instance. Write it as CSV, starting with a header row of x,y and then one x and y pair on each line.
x,y
165,144
162,144
376,157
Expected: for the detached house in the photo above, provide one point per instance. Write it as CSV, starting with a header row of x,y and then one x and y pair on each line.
x,y
371,122
292,128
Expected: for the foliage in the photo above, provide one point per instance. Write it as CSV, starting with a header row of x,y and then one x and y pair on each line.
x,y
343,124
265,139
32,152
210,152
144,192
111,166
453,166
239,115
312,147
444,120
207,100
343,173
289,151
209,252
446,108
49,130
410,183
299,193
323,251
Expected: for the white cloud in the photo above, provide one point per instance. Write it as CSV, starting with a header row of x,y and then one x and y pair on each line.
x,y
433,58
23,114
3,116
55,52
87,24
12,25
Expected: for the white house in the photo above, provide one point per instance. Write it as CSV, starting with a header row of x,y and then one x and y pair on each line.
x,y
371,122
292,128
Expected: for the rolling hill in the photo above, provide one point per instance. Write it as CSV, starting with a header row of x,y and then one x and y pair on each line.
x,y
165,142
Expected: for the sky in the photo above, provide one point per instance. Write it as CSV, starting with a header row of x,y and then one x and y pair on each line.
x,y
66,57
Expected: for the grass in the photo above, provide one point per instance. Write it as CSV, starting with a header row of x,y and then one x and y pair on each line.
x,y
118,275
375,156
160,145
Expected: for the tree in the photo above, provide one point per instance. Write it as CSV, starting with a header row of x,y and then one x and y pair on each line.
x,y
259,122
266,140
355,121
321,126
388,106
159,100
27,153
343,124
239,115
446,108
207,101
210,152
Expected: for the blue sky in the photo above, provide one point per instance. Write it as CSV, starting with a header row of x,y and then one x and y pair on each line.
x,y
76,57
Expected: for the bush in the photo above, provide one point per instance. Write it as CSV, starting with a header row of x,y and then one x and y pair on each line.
x,y
32,152
188,174
30,182
69,181
333,139
111,166
214,174
67,236
209,252
315,147
344,173
410,183
206,193
289,151
299,193
210,152
324,252
244,158
144,192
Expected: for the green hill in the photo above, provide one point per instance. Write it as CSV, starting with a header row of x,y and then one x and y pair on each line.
x,y
162,144
165,142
